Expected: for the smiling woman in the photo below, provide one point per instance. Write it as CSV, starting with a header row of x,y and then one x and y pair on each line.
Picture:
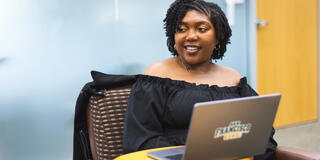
x,y
198,33
195,39
162,98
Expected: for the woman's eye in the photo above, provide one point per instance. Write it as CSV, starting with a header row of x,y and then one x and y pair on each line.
x,y
202,29
181,29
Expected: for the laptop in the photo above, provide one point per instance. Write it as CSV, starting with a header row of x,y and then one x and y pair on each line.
x,y
227,129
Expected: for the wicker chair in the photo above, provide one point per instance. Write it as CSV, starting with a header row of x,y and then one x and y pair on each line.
x,y
106,115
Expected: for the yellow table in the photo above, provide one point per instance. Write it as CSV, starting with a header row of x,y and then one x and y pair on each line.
x,y
142,155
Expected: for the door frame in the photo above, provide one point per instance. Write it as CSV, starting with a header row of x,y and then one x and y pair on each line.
x,y
252,44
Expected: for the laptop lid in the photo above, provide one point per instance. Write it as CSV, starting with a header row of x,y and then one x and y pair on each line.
x,y
232,128
227,129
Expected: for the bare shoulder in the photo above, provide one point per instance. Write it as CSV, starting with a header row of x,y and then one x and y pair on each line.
x,y
158,69
230,72
230,75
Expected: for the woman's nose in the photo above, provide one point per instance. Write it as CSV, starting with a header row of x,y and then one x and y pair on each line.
x,y
191,35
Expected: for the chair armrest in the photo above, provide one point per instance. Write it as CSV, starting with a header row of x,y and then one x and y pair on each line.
x,y
289,153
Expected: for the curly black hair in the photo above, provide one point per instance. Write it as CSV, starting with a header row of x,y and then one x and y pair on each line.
x,y
177,11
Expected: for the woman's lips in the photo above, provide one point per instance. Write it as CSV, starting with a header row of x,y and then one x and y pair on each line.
x,y
192,49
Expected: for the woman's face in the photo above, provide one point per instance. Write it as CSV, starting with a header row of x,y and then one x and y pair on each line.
x,y
195,38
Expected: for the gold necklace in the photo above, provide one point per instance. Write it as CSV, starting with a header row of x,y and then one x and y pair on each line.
x,y
184,65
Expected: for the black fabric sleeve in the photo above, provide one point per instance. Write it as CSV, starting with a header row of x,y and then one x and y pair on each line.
x,y
245,91
143,127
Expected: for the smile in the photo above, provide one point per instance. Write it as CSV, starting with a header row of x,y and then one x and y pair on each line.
x,y
192,49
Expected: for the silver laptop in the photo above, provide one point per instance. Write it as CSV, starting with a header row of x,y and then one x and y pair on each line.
x,y
227,129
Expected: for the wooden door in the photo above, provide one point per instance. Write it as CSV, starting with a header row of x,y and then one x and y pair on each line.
x,y
288,57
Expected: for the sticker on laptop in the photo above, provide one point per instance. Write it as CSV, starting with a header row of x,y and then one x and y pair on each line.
x,y
235,130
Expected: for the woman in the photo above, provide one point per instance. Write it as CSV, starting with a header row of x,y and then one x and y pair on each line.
x,y
160,106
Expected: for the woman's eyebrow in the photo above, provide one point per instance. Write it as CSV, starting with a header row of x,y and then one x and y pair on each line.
x,y
183,23
202,22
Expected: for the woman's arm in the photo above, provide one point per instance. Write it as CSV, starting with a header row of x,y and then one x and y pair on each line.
x,y
143,127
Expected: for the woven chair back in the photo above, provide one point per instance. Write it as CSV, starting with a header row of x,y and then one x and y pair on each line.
x,y
105,115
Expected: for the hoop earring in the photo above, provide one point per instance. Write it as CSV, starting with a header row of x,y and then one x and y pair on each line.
x,y
174,46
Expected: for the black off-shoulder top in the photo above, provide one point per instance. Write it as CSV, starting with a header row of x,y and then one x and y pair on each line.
x,y
159,111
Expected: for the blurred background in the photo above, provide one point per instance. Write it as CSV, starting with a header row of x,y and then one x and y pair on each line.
x,y
49,47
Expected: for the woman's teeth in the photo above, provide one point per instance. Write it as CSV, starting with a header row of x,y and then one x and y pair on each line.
x,y
192,49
